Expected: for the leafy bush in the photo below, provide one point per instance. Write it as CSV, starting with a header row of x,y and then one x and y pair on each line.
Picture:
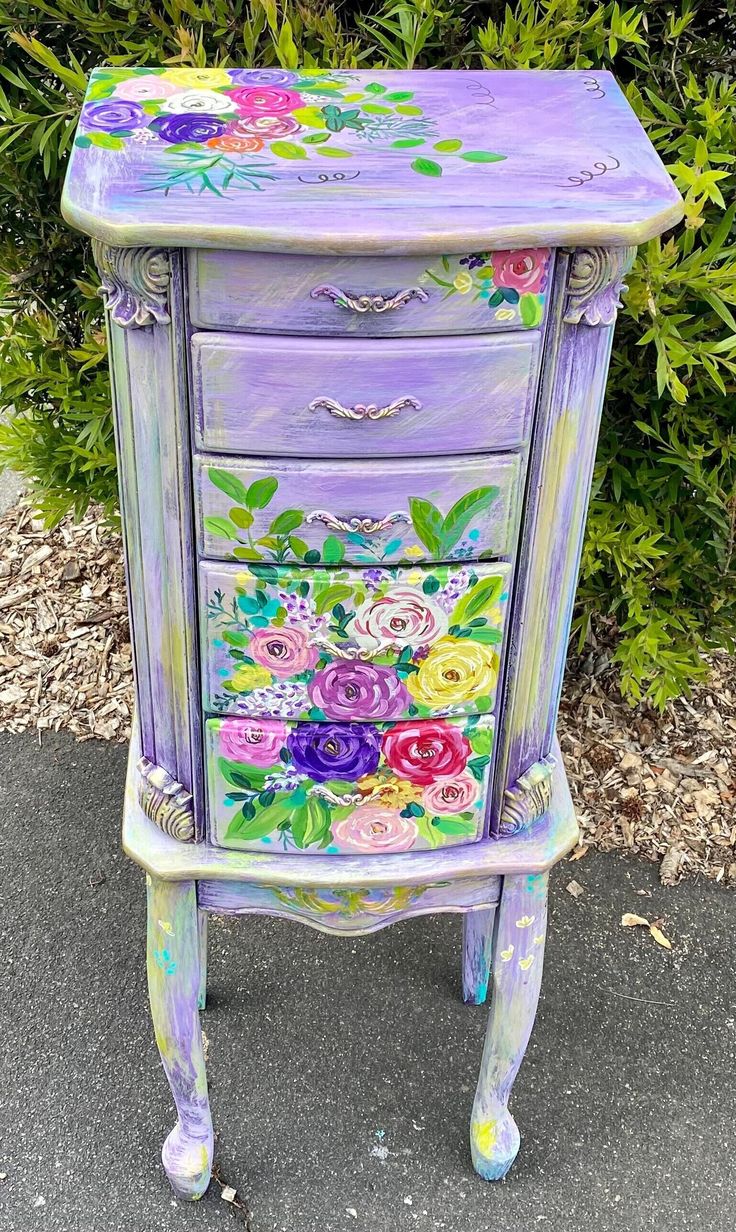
x,y
658,561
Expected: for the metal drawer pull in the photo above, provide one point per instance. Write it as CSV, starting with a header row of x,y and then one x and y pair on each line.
x,y
363,410
356,525
369,303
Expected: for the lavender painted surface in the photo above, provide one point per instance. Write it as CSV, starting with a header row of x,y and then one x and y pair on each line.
x,y
328,496
313,398
485,160
517,974
282,293
477,954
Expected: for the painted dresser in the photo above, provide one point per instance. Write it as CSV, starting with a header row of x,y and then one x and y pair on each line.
x,y
359,330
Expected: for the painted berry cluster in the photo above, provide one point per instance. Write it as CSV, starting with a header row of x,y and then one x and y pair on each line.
x,y
349,788
512,283
361,644
222,129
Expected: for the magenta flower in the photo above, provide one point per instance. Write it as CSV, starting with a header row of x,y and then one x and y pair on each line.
x,y
285,652
359,691
257,742
113,114
188,126
265,101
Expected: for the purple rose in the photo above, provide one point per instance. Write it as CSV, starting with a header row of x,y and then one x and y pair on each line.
x,y
334,750
261,76
113,114
188,126
359,691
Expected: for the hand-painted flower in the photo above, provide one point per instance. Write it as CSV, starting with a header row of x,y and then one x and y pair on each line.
x,y
199,102
264,101
447,796
237,145
152,85
113,114
256,742
426,750
371,828
261,76
403,617
359,691
285,652
178,129
334,750
523,270
463,282
265,126
250,676
198,78
455,670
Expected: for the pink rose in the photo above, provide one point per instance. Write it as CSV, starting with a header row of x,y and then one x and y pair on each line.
x,y
426,750
257,742
285,652
267,126
265,100
451,795
372,828
404,617
148,86
523,270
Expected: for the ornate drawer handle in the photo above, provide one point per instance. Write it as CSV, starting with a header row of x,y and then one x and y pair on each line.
x,y
356,525
369,303
363,410
353,654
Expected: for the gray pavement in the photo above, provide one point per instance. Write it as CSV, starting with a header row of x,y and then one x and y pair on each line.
x,y
342,1070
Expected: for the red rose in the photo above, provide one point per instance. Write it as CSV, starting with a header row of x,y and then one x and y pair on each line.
x,y
523,270
425,751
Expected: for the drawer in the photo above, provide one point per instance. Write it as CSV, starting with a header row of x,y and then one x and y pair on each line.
x,y
270,293
340,645
326,513
363,398
347,788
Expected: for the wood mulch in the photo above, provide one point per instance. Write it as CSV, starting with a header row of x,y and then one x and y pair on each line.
x,y
660,786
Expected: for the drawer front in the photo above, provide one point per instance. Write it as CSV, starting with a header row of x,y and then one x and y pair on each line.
x,y
271,293
340,645
347,788
319,513
345,398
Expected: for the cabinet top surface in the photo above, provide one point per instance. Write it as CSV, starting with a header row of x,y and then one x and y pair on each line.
x,y
363,162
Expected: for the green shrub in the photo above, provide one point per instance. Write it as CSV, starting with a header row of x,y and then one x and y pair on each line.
x,y
659,554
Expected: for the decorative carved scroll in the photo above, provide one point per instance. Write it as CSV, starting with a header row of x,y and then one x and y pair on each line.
x,y
369,303
363,410
356,525
167,803
595,283
528,798
135,284
307,901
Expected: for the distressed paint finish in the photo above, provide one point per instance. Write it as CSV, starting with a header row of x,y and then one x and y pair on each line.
x,y
517,975
572,163
350,912
365,398
369,514
285,293
173,962
477,954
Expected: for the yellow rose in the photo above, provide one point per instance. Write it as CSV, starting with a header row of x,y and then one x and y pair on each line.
x,y
505,314
455,670
414,551
251,676
198,78
463,282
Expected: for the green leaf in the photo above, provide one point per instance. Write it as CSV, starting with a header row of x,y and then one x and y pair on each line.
x,y
261,492
450,146
374,87
486,637
287,149
456,825
265,821
333,550
220,528
334,151
375,109
481,740
316,138
227,483
326,599
286,521
243,553
463,512
427,522
425,166
312,557
430,585
233,638
241,517
310,824
478,598
530,310
239,774
477,767
408,109
482,156
407,143
399,96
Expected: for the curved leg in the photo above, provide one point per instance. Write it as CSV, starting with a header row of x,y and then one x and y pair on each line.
x,y
202,927
173,989
518,954
477,947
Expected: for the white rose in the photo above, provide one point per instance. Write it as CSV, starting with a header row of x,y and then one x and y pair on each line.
x,y
403,617
203,102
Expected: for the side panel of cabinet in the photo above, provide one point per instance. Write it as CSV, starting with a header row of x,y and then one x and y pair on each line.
x,y
152,433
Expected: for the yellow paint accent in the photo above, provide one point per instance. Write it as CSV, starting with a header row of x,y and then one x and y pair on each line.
x,y
525,963
538,940
166,927
414,551
485,1136
506,954
525,921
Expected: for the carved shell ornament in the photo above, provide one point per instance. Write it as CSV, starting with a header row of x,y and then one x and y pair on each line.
x,y
595,283
528,798
135,284
166,802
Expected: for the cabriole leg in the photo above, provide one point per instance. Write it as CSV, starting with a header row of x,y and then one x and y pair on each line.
x,y
518,953
173,988
477,947
202,927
